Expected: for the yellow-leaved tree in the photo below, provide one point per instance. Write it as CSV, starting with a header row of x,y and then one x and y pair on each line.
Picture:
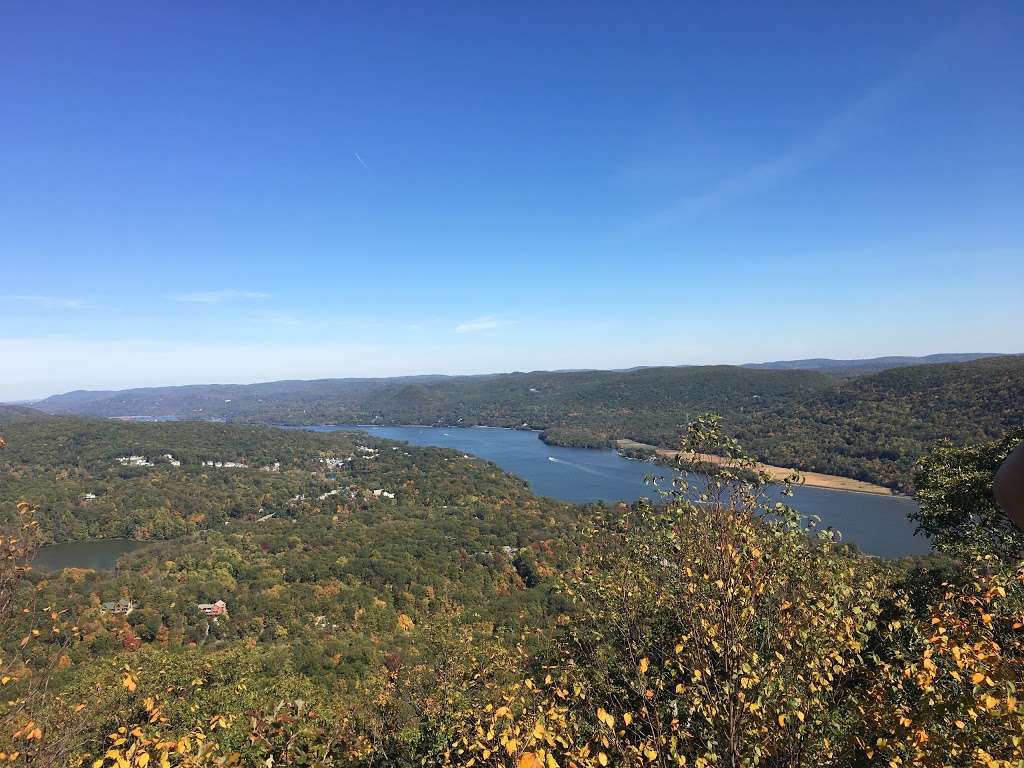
x,y
719,629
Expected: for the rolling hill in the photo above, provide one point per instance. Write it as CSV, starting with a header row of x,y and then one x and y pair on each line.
x,y
870,427
861,367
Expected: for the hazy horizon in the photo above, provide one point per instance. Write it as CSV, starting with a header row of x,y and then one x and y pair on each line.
x,y
37,398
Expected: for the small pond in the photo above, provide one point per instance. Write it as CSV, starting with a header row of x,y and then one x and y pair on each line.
x,y
99,554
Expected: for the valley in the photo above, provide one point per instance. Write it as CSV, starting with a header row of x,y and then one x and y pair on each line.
x,y
869,428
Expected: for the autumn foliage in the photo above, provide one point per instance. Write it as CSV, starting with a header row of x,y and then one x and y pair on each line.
x,y
716,629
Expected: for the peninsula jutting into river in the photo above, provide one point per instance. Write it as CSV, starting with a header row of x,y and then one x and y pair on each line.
x,y
877,523
777,474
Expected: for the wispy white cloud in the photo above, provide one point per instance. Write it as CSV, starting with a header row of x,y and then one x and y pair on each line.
x,y
853,121
218,297
46,302
486,323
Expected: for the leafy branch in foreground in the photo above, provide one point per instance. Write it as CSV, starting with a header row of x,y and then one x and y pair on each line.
x,y
956,507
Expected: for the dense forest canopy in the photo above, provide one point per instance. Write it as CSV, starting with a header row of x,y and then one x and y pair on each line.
x,y
337,541
869,427
464,621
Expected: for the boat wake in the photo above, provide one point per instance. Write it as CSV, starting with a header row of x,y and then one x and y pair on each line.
x,y
580,467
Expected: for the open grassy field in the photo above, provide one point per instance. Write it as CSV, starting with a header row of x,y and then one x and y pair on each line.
x,y
811,479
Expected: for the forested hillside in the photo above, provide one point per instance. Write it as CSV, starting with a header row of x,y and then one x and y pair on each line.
x,y
862,367
870,427
339,542
464,622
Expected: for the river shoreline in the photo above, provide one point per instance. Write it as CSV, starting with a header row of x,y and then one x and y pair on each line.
x,y
776,474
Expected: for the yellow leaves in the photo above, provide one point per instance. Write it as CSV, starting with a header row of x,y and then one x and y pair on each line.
x,y
782,721
977,677
602,758
142,760
606,718
511,746
529,760
5,679
650,754
405,623
129,682
644,665
627,718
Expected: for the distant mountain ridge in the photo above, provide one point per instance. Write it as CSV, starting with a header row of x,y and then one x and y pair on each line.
x,y
864,366
866,426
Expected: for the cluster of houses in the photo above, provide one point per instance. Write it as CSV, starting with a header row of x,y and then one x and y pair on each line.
x,y
365,451
125,606
143,461
379,493
134,461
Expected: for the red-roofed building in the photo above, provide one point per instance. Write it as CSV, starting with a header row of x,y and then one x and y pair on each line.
x,y
214,609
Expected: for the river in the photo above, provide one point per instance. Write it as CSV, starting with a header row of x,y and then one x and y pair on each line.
x,y
877,524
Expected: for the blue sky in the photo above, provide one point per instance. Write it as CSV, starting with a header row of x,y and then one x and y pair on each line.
x,y
233,192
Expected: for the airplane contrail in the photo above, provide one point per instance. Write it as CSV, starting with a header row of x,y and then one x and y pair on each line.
x,y
362,162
